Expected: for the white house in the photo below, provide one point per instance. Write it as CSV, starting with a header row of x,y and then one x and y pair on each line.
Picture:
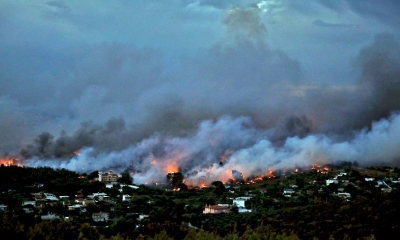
x,y
126,197
99,194
49,216
131,186
344,195
330,181
29,203
243,210
100,217
341,175
240,201
142,216
288,191
3,207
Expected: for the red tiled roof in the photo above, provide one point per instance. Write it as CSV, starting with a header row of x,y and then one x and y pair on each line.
x,y
217,207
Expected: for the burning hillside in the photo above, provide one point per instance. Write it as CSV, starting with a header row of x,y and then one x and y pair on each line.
x,y
232,149
9,162
215,100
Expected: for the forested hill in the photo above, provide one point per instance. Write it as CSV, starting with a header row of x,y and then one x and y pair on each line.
x,y
367,208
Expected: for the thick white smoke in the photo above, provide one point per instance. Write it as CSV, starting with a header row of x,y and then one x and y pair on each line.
x,y
217,148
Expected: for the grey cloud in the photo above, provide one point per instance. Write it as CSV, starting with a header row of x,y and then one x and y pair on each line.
x,y
385,11
321,23
222,4
13,126
381,76
245,23
60,4
336,5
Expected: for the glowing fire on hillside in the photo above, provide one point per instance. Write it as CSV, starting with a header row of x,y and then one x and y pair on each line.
x,y
171,168
319,169
9,162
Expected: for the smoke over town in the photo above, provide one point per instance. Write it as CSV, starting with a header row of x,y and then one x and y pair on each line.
x,y
205,88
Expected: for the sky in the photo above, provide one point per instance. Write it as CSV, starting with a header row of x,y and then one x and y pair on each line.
x,y
137,80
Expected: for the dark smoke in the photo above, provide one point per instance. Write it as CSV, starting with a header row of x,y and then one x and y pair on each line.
x,y
240,96
237,176
380,78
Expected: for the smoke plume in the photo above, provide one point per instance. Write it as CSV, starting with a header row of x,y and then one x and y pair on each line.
x,y
237,105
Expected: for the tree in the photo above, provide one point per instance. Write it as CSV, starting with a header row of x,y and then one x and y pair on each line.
x,y
125,178
87,232
175,179
93,175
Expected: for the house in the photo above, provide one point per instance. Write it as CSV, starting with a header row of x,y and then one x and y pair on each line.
x,y
28,209
142,216
126,198
87,202
344,195
33,203
341,175
243,210
49,216
38,196
50,197
330,181
100,217
240,201
104,198
79,197
3,207
215,209
99,194
130,186
288,191
386,190
74,207
109,177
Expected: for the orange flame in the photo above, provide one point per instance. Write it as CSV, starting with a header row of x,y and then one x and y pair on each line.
x,y
319,169
171,167
270,173
9,162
